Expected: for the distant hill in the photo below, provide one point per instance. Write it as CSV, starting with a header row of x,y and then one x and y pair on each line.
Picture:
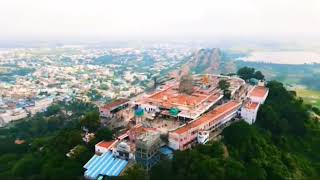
x,y
208,61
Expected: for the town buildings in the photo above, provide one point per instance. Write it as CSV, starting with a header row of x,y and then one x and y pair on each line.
x,y
36,77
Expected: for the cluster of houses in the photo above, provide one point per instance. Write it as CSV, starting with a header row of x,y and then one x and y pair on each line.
x,y
16,110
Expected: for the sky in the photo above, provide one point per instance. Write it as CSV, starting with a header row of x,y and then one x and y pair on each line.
x,y
121,19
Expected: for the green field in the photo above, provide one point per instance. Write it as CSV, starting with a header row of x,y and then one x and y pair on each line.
x,y
309,96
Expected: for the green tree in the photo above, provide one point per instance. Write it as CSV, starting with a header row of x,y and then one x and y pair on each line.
x,y
94,95
258,75
223,84
227,94
81,154
55,123
26,166
52,110
135,173
235,170
66,140
104,134
246,73
91,120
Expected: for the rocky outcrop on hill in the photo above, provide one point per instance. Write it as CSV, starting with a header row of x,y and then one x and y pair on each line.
x,y
207,61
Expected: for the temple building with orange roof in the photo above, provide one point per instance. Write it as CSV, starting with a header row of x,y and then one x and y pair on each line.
x,y
183,137
205,94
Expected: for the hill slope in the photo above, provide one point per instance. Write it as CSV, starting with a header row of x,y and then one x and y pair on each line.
x,y
208,61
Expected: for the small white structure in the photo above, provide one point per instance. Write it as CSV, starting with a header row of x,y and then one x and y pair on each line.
x,y
88,137
123,151
249,112
203,137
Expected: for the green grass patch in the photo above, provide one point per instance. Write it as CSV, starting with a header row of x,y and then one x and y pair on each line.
x,y
309,96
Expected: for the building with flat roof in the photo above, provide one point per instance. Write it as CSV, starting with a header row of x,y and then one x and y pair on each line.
x,y
249,111
258,94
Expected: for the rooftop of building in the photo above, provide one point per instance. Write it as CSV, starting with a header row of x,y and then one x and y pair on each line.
x,y
115,104
106,144
258,91
141,130
170,97
106,164
211,116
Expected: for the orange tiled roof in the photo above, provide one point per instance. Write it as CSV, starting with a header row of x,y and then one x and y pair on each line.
x,y
259,91
171,98
106,144
114,104
212,116
18,141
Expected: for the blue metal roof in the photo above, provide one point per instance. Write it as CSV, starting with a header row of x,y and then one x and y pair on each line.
x,y
106,164
165,150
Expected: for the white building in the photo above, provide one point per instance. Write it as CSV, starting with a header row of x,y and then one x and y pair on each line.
x,y
249,112
256,96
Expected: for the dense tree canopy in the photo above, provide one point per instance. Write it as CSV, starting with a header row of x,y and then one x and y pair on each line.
x,y
49,136
224,85
91,120
104,134
247,73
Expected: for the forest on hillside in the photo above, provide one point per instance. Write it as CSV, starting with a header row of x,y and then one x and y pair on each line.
x,y
48,137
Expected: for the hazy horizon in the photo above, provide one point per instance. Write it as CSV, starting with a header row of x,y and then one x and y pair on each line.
x,y
72,20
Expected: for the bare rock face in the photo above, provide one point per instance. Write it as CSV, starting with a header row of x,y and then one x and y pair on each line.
x,y
206,60
202,61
